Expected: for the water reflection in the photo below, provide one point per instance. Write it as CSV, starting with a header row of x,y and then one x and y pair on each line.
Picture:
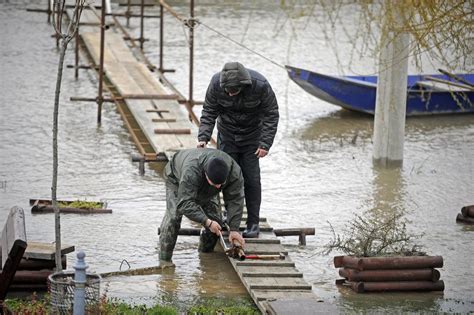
x,y
370,303
351,127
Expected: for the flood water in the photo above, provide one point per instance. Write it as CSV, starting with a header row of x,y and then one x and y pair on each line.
x,y
319,170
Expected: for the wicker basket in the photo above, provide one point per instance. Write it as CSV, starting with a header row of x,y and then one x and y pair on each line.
x,y
61,289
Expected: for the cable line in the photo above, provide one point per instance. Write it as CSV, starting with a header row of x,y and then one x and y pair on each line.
x,y
241,45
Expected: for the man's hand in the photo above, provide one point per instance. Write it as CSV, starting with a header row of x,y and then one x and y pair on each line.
x,y
235,236
260,153
202,144
213,226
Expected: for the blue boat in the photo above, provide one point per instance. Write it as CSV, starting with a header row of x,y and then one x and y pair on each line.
x,y
426,94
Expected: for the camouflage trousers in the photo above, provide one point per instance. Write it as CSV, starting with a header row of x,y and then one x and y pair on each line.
x,y
171,224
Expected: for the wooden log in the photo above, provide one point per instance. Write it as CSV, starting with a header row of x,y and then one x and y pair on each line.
x,y
361,287
468,211
40,264
464,219
184,131
50,209
396,262
426,274
32,276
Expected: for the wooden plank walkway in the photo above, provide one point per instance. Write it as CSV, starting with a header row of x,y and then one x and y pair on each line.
x,y
164,122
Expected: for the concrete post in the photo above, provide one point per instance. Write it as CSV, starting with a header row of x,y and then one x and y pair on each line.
x,y
390,108
80,284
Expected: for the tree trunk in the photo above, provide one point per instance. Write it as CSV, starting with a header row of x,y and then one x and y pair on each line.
x,y
57,222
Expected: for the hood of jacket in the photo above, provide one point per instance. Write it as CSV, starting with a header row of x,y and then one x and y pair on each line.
x,y
234,74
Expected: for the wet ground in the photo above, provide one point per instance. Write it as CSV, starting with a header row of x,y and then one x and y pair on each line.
x,y
319,171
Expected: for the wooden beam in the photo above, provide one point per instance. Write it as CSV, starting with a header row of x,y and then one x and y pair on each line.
x,y
163,120
184,131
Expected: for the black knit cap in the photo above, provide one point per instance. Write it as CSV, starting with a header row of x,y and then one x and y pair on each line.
x,y
217,171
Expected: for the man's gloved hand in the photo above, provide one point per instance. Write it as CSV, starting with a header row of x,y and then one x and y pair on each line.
x,y
201,144
235,236
213,226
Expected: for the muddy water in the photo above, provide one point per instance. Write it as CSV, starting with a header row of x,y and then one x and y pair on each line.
x,y
319,170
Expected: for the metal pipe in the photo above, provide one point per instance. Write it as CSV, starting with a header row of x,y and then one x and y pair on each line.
x,y
76,54
162,24
127,13
398,262
142,8
191,54
361,287
173,13
427,274
101,64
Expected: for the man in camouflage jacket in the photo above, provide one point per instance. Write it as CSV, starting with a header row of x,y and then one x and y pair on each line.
x,y
194,178
245,107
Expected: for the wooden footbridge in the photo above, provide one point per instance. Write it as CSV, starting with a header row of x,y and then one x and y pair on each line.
x,y
160,125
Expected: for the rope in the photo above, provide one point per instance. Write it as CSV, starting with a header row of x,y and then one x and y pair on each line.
x,y
239,44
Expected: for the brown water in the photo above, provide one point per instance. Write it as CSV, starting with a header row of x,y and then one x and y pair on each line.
x,y
319,170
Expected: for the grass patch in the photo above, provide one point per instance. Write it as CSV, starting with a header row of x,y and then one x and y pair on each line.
x,y
80,204
110,306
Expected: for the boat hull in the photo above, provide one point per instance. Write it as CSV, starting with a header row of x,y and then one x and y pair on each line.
x,y
359,93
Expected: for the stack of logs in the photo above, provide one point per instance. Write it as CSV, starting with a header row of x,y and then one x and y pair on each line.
x,y
466,215
32,274
379,274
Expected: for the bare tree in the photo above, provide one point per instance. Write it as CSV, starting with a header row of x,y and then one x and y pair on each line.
x,y
441,29
59,12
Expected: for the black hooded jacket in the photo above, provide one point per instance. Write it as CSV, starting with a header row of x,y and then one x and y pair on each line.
x,y
250,117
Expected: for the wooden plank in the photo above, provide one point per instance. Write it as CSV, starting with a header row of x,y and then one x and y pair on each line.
x,y
13,245
38,250
278,283
269,271
268,249
262,241
268,263
262,295
173,131
300,306
163,119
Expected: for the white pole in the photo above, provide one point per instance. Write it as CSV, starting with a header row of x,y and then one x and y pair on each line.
x,y
390,108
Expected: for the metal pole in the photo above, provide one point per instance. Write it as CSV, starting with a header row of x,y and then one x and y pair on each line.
x,y
49,4
100,98
76,52
142,39
128,13
191,54
80,284
162,24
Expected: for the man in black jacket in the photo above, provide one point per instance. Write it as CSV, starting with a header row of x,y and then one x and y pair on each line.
x,y
245,107
194,178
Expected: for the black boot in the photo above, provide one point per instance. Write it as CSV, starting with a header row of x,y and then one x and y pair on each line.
x,y
251,231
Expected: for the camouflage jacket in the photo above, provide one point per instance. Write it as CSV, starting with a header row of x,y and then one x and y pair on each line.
x,y
187,171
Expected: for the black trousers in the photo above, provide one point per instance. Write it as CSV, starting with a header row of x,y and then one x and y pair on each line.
x,y
249,163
